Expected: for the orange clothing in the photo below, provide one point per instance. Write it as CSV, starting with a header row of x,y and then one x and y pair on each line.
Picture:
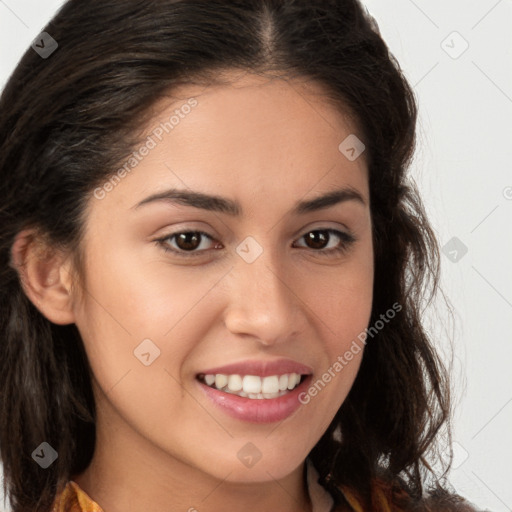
x,y
74,499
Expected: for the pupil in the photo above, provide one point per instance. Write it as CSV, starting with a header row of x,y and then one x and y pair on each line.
x,y
318,238
183,241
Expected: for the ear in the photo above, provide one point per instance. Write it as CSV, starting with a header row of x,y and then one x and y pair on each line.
x,y
45,275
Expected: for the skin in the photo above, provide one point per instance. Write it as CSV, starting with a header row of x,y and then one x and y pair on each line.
x,y
161,444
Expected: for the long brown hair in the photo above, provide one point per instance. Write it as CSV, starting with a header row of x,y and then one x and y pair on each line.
x,y
66,122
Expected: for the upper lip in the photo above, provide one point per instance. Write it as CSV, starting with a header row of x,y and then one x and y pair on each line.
x,y
260,368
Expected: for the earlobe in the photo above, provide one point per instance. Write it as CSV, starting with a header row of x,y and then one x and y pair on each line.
x,y
44,276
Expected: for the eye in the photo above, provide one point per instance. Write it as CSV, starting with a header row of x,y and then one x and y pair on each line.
x,y
192,243
185,242
320,240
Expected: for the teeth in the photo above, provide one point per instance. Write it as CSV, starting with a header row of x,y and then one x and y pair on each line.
x,y
293,380
220,380
253,386
270,384
235,383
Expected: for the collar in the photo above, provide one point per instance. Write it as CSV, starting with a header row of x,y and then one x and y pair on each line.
x,y
320,498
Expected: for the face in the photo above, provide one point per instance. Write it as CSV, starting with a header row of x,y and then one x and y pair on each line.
x,y
185,293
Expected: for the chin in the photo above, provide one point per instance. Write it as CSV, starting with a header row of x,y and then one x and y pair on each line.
x,y
252,466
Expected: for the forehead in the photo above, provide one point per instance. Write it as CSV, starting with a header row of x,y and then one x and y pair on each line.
x,y
259,105
251,137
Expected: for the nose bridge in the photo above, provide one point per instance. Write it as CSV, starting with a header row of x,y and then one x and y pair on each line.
x,y
261,303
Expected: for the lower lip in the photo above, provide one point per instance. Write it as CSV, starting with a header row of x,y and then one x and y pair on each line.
x,y
265,410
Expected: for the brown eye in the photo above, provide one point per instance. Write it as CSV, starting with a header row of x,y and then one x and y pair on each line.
x,y
186,243
319,240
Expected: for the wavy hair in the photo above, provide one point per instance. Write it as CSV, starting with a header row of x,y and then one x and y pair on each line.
x,y
67,121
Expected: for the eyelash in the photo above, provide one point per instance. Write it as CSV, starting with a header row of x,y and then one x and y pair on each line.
x,y
347,241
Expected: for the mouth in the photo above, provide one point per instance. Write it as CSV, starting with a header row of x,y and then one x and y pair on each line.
x,y
253,387
257,391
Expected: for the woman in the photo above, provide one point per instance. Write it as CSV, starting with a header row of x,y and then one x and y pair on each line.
x,y
212,265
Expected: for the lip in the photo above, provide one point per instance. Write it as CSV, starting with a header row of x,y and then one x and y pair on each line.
x,y
267,410
260,368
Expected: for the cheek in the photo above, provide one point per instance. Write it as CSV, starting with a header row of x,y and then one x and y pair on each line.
x,y
341,300
134,306
139,327
142,297
343,318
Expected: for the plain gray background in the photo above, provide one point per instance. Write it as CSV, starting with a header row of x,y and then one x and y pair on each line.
x,y
457,55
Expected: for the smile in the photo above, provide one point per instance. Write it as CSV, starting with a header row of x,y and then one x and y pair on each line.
x,y
253,386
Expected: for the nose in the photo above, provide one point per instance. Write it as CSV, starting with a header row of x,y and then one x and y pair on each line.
x,y
262,303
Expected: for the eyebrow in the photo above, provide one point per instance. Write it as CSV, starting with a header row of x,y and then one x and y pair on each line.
x,y
228,206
